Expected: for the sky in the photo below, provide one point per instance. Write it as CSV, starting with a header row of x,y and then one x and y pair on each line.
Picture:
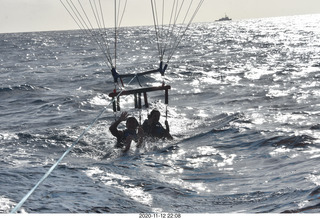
x,y
46,15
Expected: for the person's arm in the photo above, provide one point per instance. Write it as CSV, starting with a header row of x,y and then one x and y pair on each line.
x,y
140,136
114,126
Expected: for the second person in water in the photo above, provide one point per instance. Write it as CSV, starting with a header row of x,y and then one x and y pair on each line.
x,y
153,128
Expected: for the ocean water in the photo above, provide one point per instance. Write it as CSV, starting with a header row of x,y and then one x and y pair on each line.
x,y
244,112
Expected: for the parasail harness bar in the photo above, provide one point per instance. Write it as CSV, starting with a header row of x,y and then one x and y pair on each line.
x,y
137,96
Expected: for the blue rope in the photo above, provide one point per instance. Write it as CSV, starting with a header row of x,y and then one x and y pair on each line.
x,y
19,205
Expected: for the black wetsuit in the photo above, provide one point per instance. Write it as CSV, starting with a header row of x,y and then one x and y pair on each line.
x,y
154,130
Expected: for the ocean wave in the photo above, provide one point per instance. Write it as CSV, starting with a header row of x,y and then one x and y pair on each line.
x,y
21,88
243,111
5,204
290,141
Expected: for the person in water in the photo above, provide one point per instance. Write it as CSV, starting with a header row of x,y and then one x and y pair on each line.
x,y
153,128
125,137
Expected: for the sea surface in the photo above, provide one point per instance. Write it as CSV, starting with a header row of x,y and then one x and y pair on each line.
x,y
244,111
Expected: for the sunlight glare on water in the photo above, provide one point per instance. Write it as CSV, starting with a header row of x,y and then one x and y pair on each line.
x,y
243,110
119,182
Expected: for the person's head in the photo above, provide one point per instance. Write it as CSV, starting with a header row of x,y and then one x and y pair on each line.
x,y
154,116
132,123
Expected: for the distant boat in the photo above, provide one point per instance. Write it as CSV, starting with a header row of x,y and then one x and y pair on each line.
x,y
225,18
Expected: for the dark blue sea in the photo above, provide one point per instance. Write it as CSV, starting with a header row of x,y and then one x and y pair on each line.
x,y
244,111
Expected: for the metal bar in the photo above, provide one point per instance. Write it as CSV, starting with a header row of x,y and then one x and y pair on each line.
x,y
140,90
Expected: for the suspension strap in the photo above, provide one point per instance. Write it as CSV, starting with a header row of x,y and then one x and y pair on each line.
x,y
162,68
167,112
116,76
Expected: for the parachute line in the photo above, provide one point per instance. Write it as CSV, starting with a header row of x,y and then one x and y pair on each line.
x,y
170,35
89,17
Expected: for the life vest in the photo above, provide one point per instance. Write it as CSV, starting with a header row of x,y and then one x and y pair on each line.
x,y
121,140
